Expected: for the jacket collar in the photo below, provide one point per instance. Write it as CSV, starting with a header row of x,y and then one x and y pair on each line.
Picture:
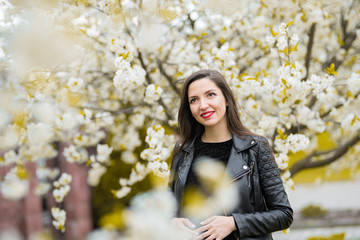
x,y
240,143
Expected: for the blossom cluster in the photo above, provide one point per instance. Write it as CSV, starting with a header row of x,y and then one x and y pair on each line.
x,y
98,164
293,143
62,187
59,216
158,151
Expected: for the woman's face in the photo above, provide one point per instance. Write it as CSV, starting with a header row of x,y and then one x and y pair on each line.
x,y
207,103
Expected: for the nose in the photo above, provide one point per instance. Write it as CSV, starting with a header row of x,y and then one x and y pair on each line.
x,y
203,105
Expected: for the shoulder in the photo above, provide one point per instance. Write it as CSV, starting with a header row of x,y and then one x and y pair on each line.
x,y
263,146
259,138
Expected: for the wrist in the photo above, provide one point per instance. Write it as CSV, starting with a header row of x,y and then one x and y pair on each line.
x,y
232,223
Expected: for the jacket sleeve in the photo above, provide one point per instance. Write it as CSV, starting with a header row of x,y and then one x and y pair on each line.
x,y
279,214
173,168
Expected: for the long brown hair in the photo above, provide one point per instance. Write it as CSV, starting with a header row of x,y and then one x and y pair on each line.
x,y
189,127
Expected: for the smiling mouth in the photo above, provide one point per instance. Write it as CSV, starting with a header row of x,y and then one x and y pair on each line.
x,y
207,114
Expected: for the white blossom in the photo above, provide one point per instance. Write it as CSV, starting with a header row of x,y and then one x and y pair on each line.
x,y
282,29
159,168
297,142
127,77
351,122
59,216
67,121
10,157
122,192
282,161
150,215
153,93
60,193
293,143
282,42
294,39
353,83
75,84
42,189
4,119
154,136
267,123
15,189
319,84
85,116
270,40
103,152
39,133
75,155
95,173
64,180
128,157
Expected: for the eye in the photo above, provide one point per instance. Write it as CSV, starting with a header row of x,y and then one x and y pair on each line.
x,y
211,94
192,100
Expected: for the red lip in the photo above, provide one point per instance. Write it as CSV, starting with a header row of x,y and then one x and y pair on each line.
x,y
208,114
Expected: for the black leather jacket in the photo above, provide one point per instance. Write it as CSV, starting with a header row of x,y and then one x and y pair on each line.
x,y
263,205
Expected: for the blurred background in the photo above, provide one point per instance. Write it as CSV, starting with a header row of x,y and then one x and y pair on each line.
x,y
89,94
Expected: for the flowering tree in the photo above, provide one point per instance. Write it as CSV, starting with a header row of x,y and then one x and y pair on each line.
x,y
97,73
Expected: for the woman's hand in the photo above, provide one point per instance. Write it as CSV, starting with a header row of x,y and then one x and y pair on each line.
x,y
185,226
216,227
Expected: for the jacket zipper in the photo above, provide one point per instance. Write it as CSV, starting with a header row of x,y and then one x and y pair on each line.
x,y
234,179
241,175
251,172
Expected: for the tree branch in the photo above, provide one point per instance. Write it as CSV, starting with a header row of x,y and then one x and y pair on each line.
x,y
150,81
348,39
309,162
169,79
337,106
309,50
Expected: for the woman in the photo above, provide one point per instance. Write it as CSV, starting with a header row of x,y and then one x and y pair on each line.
x,y
210,126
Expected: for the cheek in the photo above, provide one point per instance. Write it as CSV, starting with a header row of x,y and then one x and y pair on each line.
x,y
192,109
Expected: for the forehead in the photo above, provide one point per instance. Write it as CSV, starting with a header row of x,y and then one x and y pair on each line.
x,y
201,86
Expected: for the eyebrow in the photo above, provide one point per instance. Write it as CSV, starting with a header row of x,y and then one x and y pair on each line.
x,y
210,90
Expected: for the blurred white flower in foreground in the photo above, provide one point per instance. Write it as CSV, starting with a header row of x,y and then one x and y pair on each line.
x,y
14,190
219,195
39,133
15,185
103,234
149,217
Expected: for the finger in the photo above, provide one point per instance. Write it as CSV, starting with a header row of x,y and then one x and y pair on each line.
x,y
203,236
202,229
188,223
208,220
210,237
206,234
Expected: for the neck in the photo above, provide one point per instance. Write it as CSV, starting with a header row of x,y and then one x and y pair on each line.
x,y
216,134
